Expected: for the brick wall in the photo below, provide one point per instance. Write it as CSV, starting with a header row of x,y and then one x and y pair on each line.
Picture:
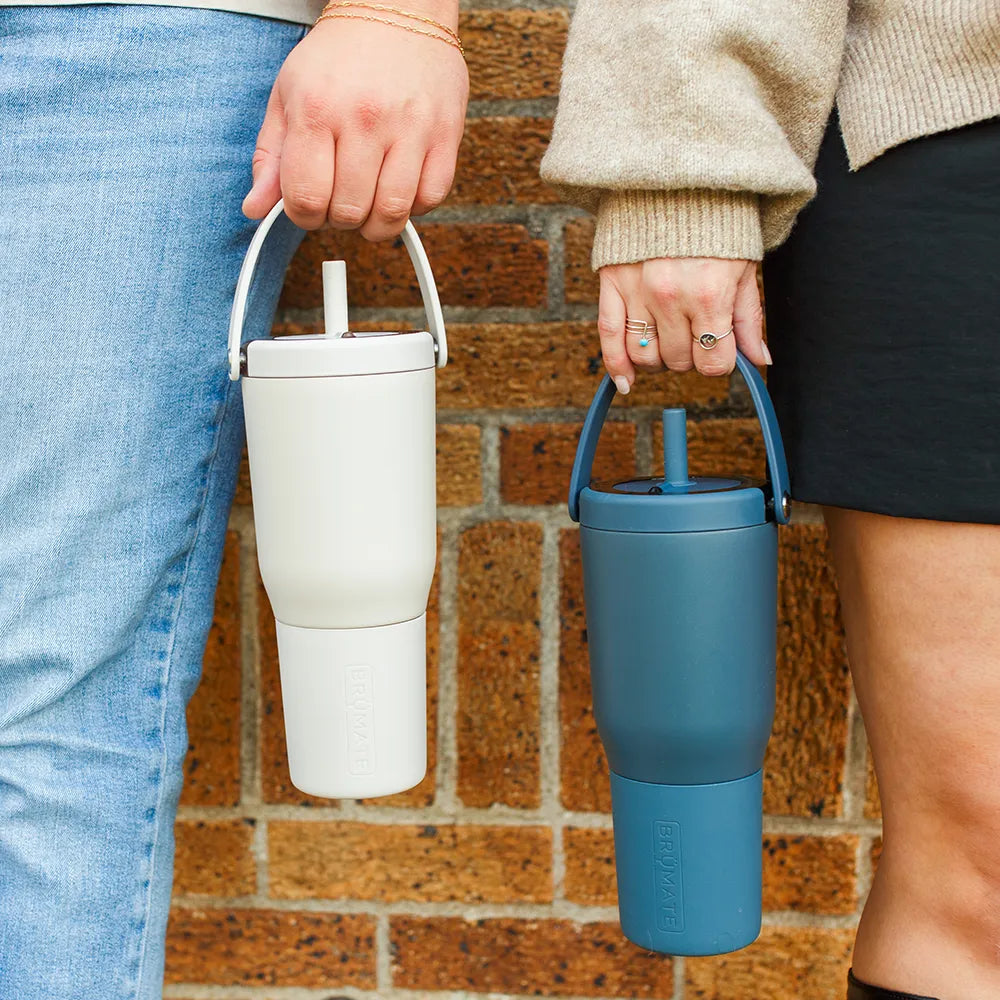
x,y
495,876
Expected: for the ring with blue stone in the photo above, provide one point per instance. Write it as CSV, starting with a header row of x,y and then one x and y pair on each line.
x,y
646,331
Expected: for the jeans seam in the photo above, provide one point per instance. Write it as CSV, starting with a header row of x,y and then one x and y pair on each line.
x,y
168,671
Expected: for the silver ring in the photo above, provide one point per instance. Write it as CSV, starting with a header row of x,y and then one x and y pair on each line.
x,y
709,340
645,331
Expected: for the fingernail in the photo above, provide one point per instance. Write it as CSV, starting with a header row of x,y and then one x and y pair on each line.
x,y
621,383
767,353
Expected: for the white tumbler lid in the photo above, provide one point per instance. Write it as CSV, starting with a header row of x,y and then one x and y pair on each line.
x,y
355,708
316,356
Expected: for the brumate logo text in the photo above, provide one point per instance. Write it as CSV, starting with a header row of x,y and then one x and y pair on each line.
x,y
669,891
360,721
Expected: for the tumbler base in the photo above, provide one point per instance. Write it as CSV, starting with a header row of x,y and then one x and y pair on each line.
x,y
689,864
355,708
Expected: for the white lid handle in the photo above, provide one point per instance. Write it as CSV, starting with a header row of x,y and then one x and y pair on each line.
x,y
422,267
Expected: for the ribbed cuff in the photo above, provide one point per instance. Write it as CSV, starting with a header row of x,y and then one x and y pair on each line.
x,y
641,225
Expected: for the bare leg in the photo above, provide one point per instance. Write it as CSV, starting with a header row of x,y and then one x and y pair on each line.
x,y
921,604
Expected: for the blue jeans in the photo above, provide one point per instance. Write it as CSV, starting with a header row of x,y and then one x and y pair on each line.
x,y
126,134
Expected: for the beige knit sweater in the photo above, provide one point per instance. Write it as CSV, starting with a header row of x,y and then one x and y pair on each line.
x,y
691,127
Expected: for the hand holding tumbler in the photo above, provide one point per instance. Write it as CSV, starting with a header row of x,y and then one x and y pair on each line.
x,y
341,440
680,586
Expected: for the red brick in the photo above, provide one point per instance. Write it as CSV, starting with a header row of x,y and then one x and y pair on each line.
x,y
810,874
212,765
805,759
537,957
786,963
549,364
513,54
498,642
805,874
498,162
276,783
270,948
473,864
214,858
583,766
536,459
459,479
581,281
590,866
475,264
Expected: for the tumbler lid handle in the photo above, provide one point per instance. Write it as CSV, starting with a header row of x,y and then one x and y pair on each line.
x,y
418,257
777,467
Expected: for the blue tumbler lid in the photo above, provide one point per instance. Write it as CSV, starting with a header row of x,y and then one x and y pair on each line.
x,y
676,502
689,863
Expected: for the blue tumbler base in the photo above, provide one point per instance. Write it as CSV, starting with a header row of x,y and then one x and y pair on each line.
x,y
689,864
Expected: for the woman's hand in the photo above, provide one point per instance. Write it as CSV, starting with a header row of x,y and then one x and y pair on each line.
x,y
363,125
684,297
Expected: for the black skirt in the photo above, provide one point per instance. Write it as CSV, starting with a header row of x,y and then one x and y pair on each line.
x,y
883,318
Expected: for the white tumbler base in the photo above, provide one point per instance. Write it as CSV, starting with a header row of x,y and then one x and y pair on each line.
x,y
355,708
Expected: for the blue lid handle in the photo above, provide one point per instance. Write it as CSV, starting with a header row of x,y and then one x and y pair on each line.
x,y
584,461
777,467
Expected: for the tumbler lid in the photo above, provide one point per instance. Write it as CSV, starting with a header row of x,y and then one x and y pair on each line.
x,y
654,504
310,356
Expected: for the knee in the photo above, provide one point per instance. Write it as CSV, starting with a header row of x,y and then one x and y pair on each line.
x,y
945,857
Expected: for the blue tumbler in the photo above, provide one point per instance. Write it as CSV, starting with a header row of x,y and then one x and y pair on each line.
x,y
680,584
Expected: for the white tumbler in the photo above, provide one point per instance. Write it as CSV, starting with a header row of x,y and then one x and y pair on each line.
x,y
341,440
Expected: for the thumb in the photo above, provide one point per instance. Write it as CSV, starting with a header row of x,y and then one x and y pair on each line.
x,y
266,162
748,318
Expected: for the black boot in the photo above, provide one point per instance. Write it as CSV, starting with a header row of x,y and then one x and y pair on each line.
x,y
857,990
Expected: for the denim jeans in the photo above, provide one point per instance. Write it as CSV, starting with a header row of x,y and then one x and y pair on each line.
x,y
126,134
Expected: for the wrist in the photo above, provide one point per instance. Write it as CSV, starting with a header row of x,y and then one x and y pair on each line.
x,y
643,225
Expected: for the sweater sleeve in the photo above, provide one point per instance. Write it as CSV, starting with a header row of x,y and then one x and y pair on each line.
x,y
691,127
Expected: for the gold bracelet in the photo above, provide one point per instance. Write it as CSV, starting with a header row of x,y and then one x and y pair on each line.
x,y
384,20
385,9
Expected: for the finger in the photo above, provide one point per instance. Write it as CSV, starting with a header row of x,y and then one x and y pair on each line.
x,y
307,176
266,163
748,318
672,324
394,192
436,177
611,328
359,162
713,315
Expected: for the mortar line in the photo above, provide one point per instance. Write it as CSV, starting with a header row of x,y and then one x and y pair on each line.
x,y
260,854
489,455
383,955
446,781
553,230
855,761
548,721
250,776
864,871
679,983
